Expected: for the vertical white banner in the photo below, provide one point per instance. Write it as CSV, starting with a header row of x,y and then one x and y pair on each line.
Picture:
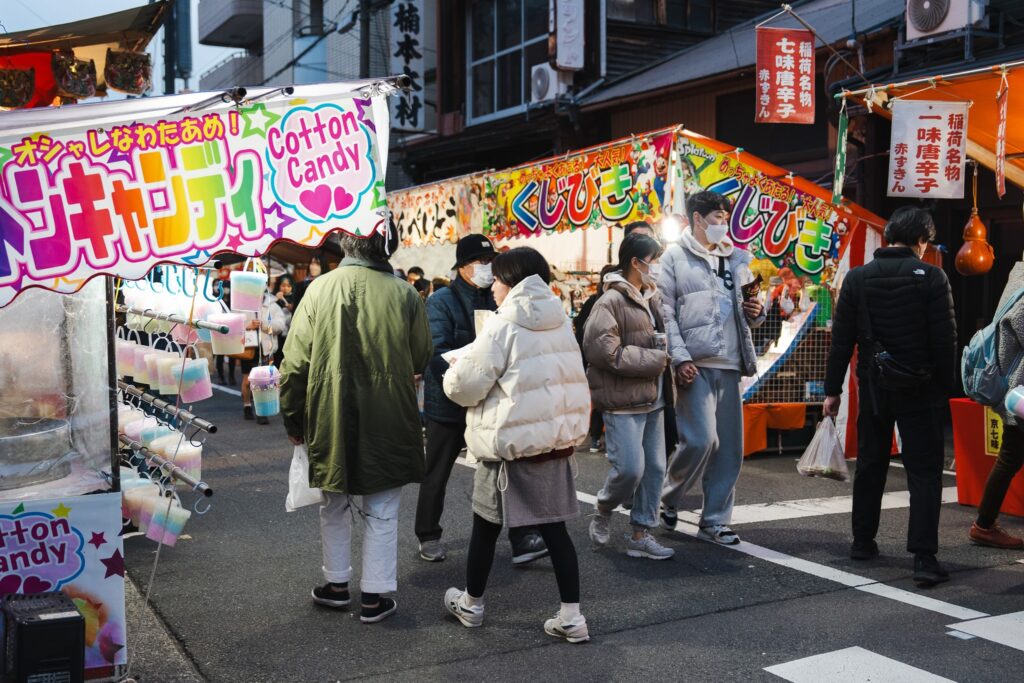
x,y
407,58
928,149
568,28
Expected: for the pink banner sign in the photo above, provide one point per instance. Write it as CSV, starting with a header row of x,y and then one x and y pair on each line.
x,y
118,200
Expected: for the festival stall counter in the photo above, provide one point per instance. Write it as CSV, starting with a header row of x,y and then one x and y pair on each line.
x,y
571,208
942,125
96,421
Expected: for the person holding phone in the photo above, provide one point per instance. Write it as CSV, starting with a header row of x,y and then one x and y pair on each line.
x,y
709,322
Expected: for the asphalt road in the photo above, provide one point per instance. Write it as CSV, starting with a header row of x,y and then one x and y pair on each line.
x,y
234,594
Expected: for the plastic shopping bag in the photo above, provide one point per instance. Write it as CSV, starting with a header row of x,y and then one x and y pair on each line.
x,y
299,492
824,455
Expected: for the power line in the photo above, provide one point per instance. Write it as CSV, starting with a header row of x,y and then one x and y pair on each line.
x,y
309,47
33,12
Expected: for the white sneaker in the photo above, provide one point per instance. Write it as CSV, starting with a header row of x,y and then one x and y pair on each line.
x,y
599,528
719,533
574,632
647,547
471,617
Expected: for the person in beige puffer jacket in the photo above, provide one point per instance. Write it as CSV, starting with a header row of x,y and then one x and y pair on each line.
x,y
626,347
528,403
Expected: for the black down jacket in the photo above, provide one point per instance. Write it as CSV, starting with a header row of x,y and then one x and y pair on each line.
x,y
911,309
451,317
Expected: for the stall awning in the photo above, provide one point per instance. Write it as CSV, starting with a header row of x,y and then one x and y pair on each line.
x,y
89,39
979,87
130,29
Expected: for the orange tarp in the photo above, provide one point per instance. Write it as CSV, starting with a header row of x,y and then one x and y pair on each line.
x,y
983,120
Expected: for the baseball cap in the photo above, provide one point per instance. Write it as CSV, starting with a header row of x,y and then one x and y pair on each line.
x,y
471,248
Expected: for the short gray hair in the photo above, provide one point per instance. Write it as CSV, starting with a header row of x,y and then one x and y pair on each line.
x,y
375,247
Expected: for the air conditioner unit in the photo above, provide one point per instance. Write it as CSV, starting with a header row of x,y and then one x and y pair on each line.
x,y
546,83
927,18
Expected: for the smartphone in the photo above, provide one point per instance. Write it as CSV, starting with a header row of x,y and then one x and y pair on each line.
x,y
751,289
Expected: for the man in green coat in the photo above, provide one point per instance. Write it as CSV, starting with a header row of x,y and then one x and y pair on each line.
x,y
347,392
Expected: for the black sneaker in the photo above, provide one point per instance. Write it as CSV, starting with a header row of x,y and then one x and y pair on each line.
x,y
529,548
384,609
928,572
330,595
669,518
247,412
863,550
262,420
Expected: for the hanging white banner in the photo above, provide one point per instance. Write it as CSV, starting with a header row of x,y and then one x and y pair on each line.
x,y
928,149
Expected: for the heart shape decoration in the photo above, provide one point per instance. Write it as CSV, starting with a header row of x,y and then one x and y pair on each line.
x,y
34,584
10,584
317,201
342,199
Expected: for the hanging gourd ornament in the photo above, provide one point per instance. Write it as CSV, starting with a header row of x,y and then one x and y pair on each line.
x,y
975,256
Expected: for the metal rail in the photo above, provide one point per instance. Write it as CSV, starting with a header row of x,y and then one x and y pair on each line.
x,y
172,410
166,466
172,317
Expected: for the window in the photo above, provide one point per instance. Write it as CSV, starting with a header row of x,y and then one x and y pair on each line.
x,y
640,11
507,38
692,15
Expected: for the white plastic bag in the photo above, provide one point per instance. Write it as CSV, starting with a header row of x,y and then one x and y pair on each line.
x,y
299,492
824,455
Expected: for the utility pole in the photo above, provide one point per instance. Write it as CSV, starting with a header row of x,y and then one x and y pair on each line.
x,y
170,51
364,38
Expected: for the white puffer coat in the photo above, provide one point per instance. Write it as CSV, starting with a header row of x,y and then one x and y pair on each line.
x,y
522,379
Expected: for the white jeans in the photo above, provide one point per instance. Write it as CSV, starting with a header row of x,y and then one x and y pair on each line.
x,y
380,544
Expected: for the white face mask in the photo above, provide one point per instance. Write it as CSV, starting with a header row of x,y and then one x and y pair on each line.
x,y
482,276
654,271
716,232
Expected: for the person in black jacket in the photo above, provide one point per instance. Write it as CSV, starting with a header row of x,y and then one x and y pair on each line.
x,y
899,305
579,323
450,312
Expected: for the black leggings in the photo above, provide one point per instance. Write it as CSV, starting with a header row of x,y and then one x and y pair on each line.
x,y
556,537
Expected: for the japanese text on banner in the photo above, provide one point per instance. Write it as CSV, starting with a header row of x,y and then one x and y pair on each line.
x,y
785,76
121,199
928,149
407,58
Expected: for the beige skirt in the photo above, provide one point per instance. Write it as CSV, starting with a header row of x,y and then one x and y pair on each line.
x,y
523,493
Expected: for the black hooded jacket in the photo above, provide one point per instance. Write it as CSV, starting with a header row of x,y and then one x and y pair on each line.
x,y
910,305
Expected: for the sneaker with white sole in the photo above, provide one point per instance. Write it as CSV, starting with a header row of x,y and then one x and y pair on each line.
x,y
334,595
647,547
432,551
719,533
471,617
669,518
573,632
599,528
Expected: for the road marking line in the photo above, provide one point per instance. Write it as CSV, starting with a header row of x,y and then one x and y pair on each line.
x,y
810,507
821,571
227,390
1005,629
884,590
961,635
852,665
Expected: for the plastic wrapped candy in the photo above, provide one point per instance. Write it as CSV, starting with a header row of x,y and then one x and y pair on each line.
x,y
76,78
16,87
265,382
128,72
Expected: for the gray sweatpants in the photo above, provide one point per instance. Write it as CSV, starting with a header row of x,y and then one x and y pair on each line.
x,y
709,414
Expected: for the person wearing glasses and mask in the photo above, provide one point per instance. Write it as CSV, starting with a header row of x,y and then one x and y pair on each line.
x,y
708,321
451,313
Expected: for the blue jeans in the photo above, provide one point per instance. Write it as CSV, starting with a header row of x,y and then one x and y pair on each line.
x,y
636,451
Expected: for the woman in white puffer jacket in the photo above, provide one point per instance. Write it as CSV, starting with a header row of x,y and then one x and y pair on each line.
x,y
529,407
